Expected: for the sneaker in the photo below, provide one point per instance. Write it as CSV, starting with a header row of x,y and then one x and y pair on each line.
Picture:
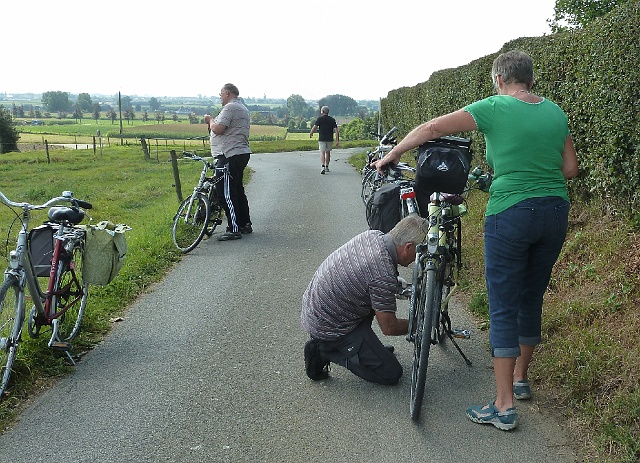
x,y
323,170
227,236
246,229
326,169
522,390
489,414
315,366
390,348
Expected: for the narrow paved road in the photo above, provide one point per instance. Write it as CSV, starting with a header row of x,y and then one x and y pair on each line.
x,y
208,366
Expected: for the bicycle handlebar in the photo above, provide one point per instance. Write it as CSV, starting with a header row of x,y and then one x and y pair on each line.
x,y
67,196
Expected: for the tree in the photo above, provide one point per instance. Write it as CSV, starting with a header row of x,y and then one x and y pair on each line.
x,y
154,104
8,134
77,114
296,105
84,102
96,112
126,102
56,101
339,105
579,13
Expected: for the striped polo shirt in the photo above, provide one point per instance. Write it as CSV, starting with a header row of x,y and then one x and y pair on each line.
x,y
359,276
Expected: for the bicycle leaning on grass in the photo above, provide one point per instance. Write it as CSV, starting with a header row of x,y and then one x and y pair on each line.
x,y
201,212
435,278
61,307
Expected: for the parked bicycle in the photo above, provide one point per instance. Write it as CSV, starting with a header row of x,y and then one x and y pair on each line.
x,y
61,307
370,179
435,279
201,212
392,198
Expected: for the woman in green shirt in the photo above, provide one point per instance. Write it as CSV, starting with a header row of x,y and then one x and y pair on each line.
x,y
531,153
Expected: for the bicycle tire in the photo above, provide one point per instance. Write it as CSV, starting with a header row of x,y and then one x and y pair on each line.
x,y
70,294
369,184
190,222
422,342
11,320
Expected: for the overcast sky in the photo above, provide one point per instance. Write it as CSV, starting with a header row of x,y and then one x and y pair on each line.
x,y
358,48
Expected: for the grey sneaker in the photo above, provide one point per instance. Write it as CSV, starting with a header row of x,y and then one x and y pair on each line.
x,y
522,390
326,169
489,414
323,171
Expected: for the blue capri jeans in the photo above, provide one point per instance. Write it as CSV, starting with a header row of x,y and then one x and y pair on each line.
x,y
521,245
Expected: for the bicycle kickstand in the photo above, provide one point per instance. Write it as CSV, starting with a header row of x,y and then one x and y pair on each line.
x,y
452,334
56,344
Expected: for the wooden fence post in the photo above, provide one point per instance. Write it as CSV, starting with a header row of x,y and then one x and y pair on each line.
x,y
145,148
46,148
176,174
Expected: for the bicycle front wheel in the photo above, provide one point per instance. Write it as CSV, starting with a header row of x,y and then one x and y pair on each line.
x,y
369,184
422,340
70,294
11,319
190,222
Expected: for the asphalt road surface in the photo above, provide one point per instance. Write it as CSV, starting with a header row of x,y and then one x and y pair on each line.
x,y
208,366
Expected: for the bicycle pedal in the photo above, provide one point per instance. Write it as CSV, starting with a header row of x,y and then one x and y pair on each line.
x,y
60,346
461,334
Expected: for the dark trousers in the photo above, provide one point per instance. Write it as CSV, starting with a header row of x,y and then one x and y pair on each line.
x,y
364,355
231,191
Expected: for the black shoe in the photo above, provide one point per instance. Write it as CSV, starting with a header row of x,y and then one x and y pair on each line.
x,y
246,229
227,236
390,348
316,367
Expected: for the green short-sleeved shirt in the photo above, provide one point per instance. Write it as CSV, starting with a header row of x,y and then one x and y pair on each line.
x,y
524,148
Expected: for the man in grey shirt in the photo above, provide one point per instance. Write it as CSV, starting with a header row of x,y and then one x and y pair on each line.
x,y
229,138
357,282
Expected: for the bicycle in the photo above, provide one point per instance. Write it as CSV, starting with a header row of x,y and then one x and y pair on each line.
x,y
370,179
63,304
435,279
393,197
201,212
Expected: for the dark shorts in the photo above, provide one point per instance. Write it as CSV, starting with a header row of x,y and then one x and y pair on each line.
x,y
362,353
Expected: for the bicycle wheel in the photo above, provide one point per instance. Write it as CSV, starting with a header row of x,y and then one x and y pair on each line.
x,y
11,319
215,217
422,341
70,294
369,183
190,222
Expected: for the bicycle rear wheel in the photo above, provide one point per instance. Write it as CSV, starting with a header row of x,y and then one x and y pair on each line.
x,y
70,294
215,217
190,222
11,320
427,313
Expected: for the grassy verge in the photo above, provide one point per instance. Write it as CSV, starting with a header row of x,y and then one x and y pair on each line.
x,y
587,365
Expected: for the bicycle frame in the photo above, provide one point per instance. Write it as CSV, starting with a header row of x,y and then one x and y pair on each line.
x,y
21,266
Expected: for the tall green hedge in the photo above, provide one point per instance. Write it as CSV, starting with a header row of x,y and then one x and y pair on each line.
x,y
593,74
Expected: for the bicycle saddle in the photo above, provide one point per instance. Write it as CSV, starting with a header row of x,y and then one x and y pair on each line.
x,y
68,214
453,199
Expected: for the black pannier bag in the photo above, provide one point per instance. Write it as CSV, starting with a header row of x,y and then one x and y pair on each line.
x,y
41,248
383,208
442,165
